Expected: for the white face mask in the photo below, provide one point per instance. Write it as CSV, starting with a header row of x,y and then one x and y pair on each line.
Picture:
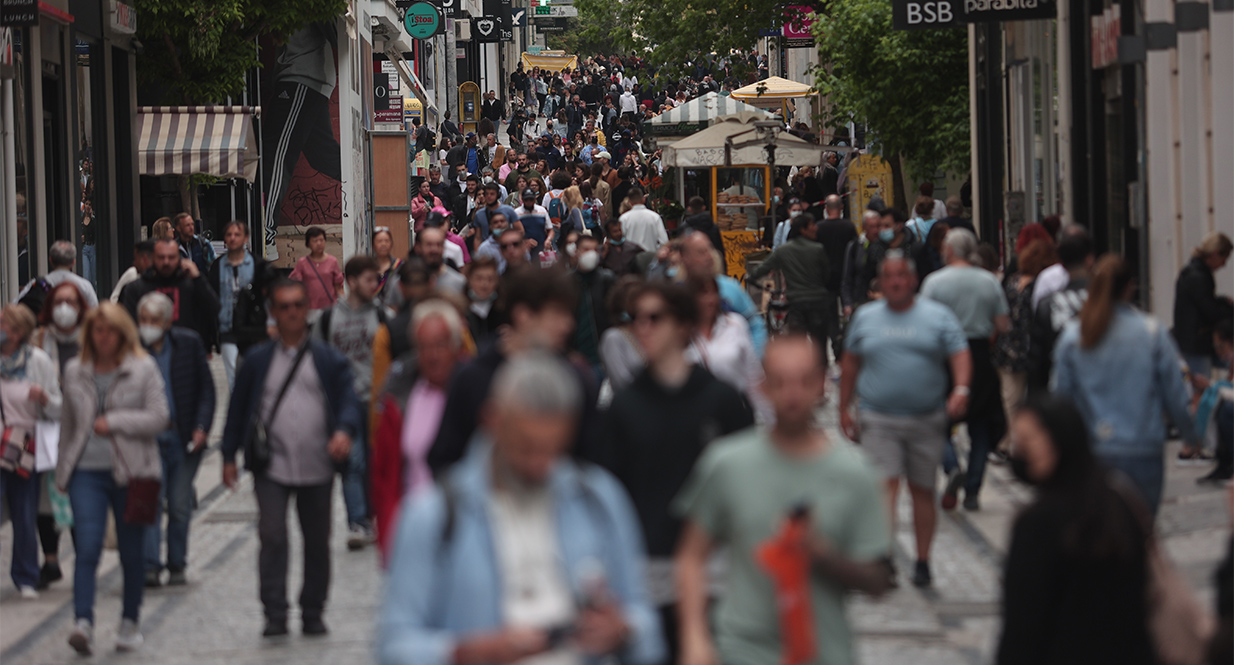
x,y
149,334
571,248
793,213
588,260
64,315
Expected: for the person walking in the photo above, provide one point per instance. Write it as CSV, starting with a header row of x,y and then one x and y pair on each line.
x,y
896,360
352,327
739,497
196,303
834,233
114,408
61,258
721,343
181,358
803,263
423,203
319,272
593,283
976,298
700,259
192,246
1011,350
859,265
521,551
1096,355
294,413
388,295
641,226
1197,307
619,350
1052,313
239,279
29,393
1079,545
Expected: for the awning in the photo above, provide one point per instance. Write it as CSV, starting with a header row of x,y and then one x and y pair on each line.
x,y
551,62
697,114
711,147
409,77
187,140
773,88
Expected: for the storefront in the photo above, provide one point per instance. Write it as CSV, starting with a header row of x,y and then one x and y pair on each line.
x,y
66,165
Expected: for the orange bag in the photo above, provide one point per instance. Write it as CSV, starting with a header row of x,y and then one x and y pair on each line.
x,y
786,558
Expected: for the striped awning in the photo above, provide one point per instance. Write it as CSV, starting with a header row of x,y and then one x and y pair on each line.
x,y
698,113
773,88
552,61
187,140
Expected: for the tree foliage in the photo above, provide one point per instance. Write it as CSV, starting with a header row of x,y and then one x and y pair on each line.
x,y
592,33
910,88
199,51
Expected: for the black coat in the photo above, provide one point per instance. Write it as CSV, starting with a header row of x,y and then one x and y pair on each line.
x,y
192,384
1197,308
196,305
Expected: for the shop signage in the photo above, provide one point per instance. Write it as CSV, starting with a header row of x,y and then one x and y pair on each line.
x,y
123,18
1106,28
392,114
19,13
422,20
564,11
550,24
920,14
979,11
518,17
797,23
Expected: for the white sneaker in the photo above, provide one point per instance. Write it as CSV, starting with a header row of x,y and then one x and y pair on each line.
x,y
129,638
28,593
357,537
82,636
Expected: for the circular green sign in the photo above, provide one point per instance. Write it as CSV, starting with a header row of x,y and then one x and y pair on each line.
x,y
421,20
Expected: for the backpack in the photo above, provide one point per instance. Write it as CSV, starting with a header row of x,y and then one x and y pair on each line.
x,y
590,223
35,294
557,210
327,314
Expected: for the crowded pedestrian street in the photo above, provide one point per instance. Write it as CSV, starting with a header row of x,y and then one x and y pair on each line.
x,y
215,618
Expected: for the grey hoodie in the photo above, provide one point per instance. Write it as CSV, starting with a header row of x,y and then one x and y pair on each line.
x,y
352,332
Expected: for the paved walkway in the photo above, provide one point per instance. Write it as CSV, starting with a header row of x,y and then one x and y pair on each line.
x,y
216,619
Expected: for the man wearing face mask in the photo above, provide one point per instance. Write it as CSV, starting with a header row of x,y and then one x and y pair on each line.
x,y
181,358
491,247
492,205
594,283
618,254
795,207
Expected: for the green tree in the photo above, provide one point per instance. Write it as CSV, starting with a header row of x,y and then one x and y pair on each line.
x,y
199,51
671,33
592,32
910,88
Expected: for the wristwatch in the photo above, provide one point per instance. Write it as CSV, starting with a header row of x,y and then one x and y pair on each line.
x,y
962,390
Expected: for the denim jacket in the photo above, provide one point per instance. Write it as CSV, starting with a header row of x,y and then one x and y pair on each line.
x,y
1126,385
441,590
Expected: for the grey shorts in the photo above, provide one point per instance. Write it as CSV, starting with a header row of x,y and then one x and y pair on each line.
x,y
909,446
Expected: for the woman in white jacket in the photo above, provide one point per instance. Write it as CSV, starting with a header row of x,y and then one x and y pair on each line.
x,y
29,392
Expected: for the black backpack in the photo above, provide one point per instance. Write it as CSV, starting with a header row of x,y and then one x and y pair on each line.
x,y
35,295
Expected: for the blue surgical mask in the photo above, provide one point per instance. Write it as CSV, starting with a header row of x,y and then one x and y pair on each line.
x,y
671,272
887,235
618,243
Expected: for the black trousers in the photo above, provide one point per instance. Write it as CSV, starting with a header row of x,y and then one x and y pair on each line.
x,y
313,509
811,319
296,123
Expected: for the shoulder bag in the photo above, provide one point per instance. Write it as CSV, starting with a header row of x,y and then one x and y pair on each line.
x,y
258,452
17,448
141,499
329,290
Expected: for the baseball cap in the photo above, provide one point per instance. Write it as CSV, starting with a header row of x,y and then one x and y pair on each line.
x,y
604,154
471,135
529,193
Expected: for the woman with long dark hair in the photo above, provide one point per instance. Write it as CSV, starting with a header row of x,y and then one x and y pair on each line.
x,y
1076,574
1124,372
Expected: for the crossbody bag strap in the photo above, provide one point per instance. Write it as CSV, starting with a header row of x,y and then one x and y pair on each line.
x,y
291,374
329,291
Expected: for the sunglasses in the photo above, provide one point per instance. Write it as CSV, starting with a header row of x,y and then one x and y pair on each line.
x,y
654,318
381,229
285,306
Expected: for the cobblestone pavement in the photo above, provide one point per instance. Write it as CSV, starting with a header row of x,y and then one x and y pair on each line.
x,y
216,618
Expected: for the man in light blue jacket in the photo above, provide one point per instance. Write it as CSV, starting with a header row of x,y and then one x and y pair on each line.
x,y
520,551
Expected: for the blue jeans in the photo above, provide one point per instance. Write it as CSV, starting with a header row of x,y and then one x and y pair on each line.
x,y
22,497
91,492
1146,472
978,452
89,263
179,470
355,478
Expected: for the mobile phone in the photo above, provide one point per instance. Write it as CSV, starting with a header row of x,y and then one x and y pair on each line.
x,y
559,634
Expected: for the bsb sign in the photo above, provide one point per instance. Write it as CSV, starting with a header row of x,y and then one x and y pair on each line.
x,y
920,14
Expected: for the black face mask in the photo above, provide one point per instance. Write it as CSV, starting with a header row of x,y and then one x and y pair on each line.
x,y
1019,468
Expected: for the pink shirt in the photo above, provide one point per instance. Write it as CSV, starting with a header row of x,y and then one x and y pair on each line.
x,y
306,272
421,420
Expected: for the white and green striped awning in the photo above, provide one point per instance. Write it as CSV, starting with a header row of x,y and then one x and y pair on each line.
x,y
698,113
187,140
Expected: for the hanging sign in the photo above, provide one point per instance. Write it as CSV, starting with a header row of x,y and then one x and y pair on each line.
x,y
422,20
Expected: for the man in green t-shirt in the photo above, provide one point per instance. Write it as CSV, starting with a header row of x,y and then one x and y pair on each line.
x,y
739,495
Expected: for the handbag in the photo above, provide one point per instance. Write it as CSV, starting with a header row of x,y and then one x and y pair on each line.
x,y
259,451
17,448
1179,625
141,501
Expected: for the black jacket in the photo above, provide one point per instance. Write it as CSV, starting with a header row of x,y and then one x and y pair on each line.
x,y
652,437
702,222
248,318
469,390
195,304
494,109
835,234
1052,314
860,268
1197,308
192,384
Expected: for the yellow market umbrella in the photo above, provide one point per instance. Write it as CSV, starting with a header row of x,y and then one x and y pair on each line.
x,y
772,91
552,61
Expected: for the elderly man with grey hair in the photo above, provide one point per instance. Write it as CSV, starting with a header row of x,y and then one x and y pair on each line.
x,y
181,357
977,299
861,262
62,257
520,551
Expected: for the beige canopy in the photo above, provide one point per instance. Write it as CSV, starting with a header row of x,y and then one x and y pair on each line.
x,y
707,148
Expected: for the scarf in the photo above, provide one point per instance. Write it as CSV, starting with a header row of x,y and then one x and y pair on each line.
x,y
13,368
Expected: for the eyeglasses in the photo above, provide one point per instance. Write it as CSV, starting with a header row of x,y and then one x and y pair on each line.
x,y
285,306
654,318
